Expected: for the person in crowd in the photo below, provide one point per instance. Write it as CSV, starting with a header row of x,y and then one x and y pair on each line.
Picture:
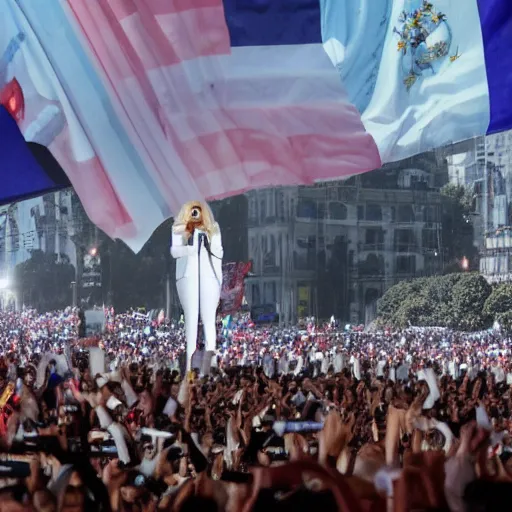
x,y
411,420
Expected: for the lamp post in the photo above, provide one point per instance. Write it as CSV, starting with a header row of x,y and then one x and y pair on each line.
x,y
74,289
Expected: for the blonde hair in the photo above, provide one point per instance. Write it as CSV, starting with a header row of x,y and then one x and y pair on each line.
x,y
184,216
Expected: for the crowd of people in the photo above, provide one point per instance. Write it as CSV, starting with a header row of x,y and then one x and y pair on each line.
x,y
287,417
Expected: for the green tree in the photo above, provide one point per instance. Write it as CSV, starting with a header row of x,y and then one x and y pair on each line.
x,y
458,208
392,307
390,302
505,320
498,305
439,291
468,300
460,195
416,310
44,281
456,301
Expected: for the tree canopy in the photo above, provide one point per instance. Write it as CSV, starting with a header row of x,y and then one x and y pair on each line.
x,y
462,301
457,221
499,305
44,281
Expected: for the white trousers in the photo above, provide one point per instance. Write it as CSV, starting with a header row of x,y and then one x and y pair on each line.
x,y
199,296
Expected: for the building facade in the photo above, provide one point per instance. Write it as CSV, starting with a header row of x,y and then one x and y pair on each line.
x,y
496,249
467,167
336,247
44,223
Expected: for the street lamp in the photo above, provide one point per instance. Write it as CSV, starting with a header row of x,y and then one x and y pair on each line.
x,y
464,263
93,251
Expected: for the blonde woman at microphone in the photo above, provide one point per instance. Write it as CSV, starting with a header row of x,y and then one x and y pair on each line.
x,y
197,248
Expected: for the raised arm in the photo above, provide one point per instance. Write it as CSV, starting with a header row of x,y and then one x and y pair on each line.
x,y
178,248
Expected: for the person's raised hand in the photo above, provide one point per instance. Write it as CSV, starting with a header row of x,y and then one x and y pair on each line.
x,y
335,435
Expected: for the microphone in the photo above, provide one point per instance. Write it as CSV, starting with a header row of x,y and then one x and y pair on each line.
x,y
299,427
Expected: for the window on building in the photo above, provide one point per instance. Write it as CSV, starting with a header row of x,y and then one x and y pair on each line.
x,y
15,234
63,244
405,213
373,212
270,292
272,196
280,249
360,212
253,208
280,205
406,264
373,265
430,213
269,259
263,248
405,240
306,209
374,236
337,211
263,210
308,242
429,239
255,292
305,254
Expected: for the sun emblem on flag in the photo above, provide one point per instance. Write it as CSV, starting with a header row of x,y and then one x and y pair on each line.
x,y
424,41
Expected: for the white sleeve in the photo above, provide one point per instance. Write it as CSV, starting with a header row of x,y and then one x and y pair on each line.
x,y
103,417
178,248
217,248
116,432
170,407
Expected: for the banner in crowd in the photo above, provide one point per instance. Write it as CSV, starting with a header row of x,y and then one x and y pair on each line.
x,y
147,104
233,286
95,322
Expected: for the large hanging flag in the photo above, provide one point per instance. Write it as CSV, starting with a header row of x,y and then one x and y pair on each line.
x,y
148,103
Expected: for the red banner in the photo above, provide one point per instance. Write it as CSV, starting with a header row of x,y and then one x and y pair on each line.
x,y
233,275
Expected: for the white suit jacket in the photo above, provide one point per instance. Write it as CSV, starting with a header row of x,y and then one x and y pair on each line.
x,y
190,261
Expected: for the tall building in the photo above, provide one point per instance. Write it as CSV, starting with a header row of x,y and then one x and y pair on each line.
x,y
335,248
45,223
467,167
496,250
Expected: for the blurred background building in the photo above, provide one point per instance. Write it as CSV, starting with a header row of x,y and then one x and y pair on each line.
x,y
334,248
496,249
